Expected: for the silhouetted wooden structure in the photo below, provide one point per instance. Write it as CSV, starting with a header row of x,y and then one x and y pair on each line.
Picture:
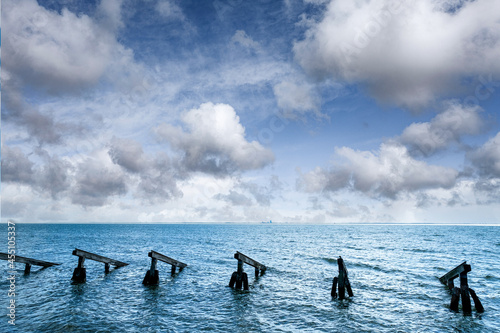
x,y
28,261
239,278
80,275
152,277
342,280
463,292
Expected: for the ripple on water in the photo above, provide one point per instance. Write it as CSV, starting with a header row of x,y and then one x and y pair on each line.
x,y
394,282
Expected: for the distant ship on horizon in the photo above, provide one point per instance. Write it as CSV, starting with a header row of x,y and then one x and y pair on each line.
x,y
270,221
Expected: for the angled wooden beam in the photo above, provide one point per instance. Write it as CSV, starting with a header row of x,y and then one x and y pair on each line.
x,y
455,272
152,277
249,261
168,260
28,261
97,257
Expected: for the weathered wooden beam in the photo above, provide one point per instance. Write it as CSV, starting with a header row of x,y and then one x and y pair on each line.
x,y
249,261
455,299
239,279
168,260
28,261
464,291
455,272
343,280
97,257
477,302
334,287
152,275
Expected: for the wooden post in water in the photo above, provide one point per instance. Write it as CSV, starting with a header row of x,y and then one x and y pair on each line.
x,y
334,287
463,292
477,302
455,299
152,277
80,274
239,279
342,280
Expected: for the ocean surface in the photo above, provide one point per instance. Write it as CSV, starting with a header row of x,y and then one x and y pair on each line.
x,y
393,270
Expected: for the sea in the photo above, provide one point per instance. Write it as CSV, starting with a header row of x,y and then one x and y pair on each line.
x,y
393,271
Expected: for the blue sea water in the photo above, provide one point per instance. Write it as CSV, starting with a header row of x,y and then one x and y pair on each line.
x,y
393,270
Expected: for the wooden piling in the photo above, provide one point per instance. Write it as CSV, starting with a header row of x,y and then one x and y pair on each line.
x,y
152,277
451,285
239,275
239,279
334,287
80,274
342,281
455,272
455,299
477,303
464,292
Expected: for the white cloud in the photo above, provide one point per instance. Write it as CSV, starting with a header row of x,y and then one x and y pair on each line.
x,y
406,52
97,179
487,158
213,141
241,37
386,173
170,10
296,99
58,52
446,128
110,14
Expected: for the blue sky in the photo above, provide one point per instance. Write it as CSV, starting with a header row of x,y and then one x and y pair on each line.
x,y
300,111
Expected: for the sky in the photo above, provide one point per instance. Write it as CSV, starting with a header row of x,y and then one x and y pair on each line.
x,y
295,111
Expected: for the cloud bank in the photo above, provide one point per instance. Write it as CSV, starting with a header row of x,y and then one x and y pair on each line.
x,y
409,53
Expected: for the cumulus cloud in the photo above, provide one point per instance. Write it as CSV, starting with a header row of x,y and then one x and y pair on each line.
x,y
446,128
49,178
16,167
158,182
157,174
128,154
96,182
42,127
386,173
408,53
212,140
487,158
58,52
53,177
